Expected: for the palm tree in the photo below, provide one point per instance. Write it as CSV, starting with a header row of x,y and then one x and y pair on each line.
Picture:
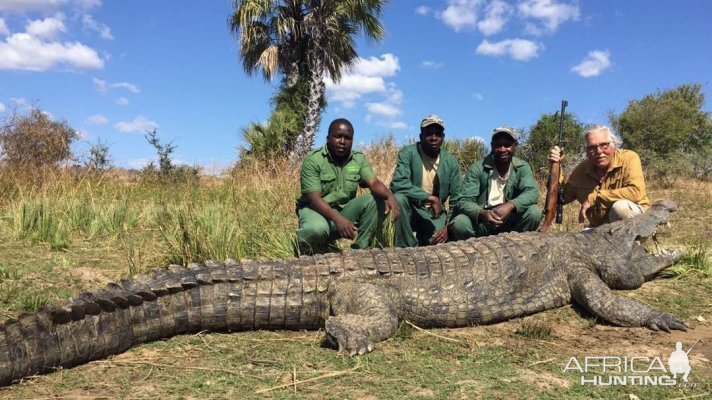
x,y
331,26
303,39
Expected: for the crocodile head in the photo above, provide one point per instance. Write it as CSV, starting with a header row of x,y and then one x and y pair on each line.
x,y
629,263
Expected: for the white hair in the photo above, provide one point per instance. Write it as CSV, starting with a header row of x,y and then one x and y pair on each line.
x,y
612,137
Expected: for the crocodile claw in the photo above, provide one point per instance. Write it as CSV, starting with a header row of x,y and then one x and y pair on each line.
x,y
661,321
349,339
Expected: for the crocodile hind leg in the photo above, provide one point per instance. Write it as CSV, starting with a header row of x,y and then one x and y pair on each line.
x,y
362,314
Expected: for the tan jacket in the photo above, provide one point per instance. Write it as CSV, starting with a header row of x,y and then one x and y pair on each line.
x,y
624,180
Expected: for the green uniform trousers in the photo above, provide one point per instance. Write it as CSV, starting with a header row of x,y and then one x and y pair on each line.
x,y
418,219
315,231
525,220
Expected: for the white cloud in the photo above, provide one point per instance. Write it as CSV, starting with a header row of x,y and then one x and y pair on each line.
x,y
47,28
139,124
90,23
461,13
2,108
98,119
395,125
518,49
103,86
385,109
423,10
431,64
121,101
497,13
548,13
351,87
83,135
478,96
595,62
3,28
22,6
26,52
88,4
364,77
386,66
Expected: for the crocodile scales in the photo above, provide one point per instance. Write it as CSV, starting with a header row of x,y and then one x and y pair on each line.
x,y
359,297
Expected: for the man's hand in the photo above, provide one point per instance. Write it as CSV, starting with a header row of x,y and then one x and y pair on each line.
x,y
440,236
556,154
504,210
584,209
490,219
435,205
392,207
346,228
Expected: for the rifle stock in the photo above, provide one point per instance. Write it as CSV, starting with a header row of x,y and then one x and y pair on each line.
x,y
553,206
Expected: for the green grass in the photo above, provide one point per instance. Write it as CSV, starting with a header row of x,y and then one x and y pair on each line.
x,y
64,235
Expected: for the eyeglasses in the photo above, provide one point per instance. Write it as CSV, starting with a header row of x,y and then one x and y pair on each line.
x,y
601,146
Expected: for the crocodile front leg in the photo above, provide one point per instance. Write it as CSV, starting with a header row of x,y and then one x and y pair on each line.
x,y
589,291
362,314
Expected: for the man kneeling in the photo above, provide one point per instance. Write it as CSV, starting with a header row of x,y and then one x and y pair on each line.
x,y
499,193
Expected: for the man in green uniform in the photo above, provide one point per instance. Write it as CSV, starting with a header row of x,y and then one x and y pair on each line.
x,y
424,178
328,208
499,193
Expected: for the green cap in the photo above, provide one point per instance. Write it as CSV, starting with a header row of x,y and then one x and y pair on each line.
x,y
432,119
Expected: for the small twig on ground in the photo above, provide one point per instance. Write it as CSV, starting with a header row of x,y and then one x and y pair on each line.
x,y
157,365
148,374
692,397
294,377
295,383
541,362
419,329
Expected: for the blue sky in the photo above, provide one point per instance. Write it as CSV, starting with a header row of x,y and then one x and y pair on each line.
x,y
114,69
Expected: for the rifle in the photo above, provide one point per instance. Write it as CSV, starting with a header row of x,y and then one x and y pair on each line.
x,y
554,205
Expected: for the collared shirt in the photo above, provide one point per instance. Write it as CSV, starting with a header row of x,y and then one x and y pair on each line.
x,y
496,191
520,189
408,176
430,169
337,183
623,181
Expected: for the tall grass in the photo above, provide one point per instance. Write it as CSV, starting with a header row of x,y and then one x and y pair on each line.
x,y
248,213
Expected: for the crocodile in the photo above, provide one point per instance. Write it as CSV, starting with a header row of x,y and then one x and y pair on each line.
x,y
358,298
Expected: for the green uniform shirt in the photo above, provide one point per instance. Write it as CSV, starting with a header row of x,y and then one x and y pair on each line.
x,y
408,176
521,189
337,184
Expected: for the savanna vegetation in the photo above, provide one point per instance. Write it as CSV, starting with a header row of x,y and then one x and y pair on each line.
x,y
65,230
70,224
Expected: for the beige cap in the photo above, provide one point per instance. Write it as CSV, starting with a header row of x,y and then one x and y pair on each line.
x,y
506,130
432,119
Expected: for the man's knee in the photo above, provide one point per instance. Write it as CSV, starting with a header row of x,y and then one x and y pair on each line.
x,y
461,227
532,215
402,200
314,232
623,209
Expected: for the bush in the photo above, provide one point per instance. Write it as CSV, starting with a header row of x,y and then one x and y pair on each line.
x,y
35,140
466,151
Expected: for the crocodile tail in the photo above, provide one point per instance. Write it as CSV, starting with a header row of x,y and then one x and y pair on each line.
x,y
212,297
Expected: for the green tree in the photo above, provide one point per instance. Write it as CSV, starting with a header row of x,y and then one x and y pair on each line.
x,y
544,134
167,170
669,130
35,140
303,39
466,151
99,158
